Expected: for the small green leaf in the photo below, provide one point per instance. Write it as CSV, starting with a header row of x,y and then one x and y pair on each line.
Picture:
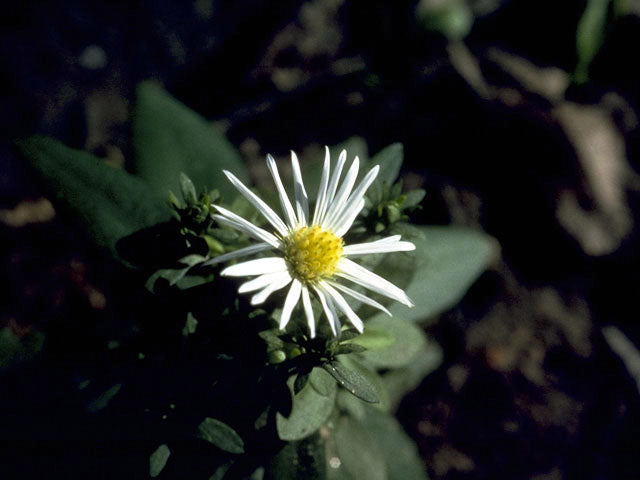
x,y
221,435
390,160
158,460
271,338
221,471
310,411
304,459
590,36
188,189
413,198
169,138
190,325
373,338
112,203
354,381
406,340
103,400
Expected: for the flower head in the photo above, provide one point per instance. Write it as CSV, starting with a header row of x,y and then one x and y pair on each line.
x,y
309,254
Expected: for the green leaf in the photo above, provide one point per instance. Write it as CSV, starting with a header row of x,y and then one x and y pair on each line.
x,y
403,380
390,160
590,36
357,451
352,402
322,382
309,412
413,198
158,460
111,202
373,338
188,189
446,262
375,447
169,138
304,459
190,325
409,339
221,435
103,400
177,276
353,380
453,19
398,450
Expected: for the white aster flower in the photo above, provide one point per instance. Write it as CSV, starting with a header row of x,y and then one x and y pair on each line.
x,y
309,254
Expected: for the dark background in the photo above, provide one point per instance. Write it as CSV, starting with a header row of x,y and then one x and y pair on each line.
x,y
495,128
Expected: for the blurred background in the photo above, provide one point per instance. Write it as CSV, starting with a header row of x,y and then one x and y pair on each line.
x,y
519,118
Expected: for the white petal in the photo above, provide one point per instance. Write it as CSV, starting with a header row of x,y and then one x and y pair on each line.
x,y
302,200
359,296
329,311
262,295
241,252
257,202
383,245
338,203
344,306
262,281
343,224
344,210
284,198
258,266
308,311
235,221
360,275
321,199
333,185
292,299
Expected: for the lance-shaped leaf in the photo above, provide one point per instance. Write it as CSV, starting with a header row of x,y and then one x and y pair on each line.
x,y
354,380
221,435
169,138
111,202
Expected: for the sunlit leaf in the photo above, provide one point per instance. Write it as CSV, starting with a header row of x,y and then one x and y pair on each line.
x,y
353,380
310,411
446,262
408,340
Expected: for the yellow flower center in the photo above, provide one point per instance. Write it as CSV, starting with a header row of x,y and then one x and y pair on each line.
x,y
312,253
